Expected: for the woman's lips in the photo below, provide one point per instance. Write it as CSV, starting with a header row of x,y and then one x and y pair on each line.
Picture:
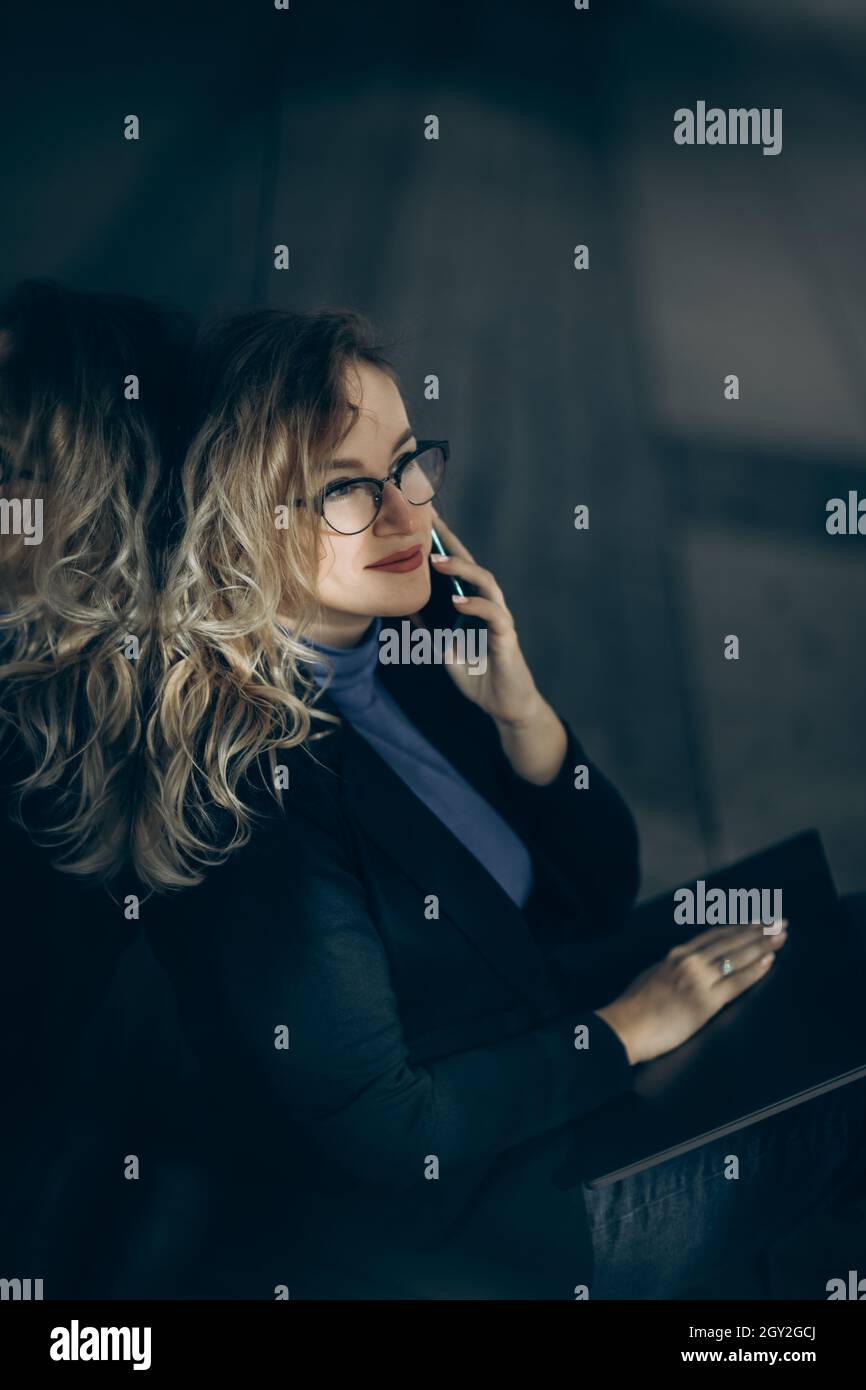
x,y
409,562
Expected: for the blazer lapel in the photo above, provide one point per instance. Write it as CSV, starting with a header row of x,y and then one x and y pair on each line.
x,y
403,827
467,737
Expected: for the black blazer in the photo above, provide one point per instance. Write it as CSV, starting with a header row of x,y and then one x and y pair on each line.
x,y
62,942
95,1066
417,1044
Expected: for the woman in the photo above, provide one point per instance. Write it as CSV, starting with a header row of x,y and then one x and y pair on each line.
x,y
366,948
88,428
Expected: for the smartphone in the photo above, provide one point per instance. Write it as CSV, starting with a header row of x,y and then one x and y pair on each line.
x,y
457,586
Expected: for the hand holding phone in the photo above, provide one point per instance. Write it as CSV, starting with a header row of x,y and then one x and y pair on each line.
x,y
458,586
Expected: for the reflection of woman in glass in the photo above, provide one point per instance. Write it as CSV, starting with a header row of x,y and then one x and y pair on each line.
x,y
86,389
369,969
82,452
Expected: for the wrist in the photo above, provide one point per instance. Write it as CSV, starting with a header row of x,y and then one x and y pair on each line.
x,y
536,746
533,710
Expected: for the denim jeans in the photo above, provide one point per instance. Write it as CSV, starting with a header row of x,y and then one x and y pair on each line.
x,y
683,1222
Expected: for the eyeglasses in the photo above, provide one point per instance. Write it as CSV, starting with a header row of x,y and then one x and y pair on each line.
x,y
351,505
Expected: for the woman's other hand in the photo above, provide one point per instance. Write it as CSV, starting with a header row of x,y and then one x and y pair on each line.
x,y
666,1004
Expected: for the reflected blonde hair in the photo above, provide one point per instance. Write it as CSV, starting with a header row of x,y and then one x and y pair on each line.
x,y
71,699
274,392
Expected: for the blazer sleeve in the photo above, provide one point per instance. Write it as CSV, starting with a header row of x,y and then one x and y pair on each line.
x,y
585,835
304,953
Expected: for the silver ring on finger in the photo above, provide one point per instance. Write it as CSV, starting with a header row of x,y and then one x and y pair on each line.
x,y
726,965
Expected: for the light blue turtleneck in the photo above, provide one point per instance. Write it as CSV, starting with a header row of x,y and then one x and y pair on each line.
x,y
361,698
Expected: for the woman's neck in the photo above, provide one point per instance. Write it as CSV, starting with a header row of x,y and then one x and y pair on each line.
x,y
337,629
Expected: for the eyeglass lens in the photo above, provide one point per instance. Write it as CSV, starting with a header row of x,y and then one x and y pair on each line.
x,y
352,506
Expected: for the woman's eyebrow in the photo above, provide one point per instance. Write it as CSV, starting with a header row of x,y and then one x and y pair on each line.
x,y
356,463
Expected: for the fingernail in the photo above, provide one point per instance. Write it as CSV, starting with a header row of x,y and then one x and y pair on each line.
x,y
775,928
439,559
459,598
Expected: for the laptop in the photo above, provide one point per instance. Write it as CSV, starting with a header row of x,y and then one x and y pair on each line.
x,y
797,1033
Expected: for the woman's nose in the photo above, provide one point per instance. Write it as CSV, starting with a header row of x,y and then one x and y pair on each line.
x,y
394,504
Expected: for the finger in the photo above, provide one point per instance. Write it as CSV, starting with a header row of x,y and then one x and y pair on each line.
x,y
468,569
746,957
773,928
452,541
498,619
729,937
741,980
742,938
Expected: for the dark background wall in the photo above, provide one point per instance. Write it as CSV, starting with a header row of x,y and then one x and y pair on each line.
x,y
558,387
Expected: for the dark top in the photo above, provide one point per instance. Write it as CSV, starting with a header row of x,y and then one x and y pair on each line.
x,y
414,1137
64,1061
355,687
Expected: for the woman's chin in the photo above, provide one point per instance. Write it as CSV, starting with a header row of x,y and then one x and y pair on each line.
x,y
399,599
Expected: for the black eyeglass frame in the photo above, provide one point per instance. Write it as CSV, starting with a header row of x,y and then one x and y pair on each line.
x,y
379,483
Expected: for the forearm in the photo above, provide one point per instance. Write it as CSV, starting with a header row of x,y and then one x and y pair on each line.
x,y
536,744
582,828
